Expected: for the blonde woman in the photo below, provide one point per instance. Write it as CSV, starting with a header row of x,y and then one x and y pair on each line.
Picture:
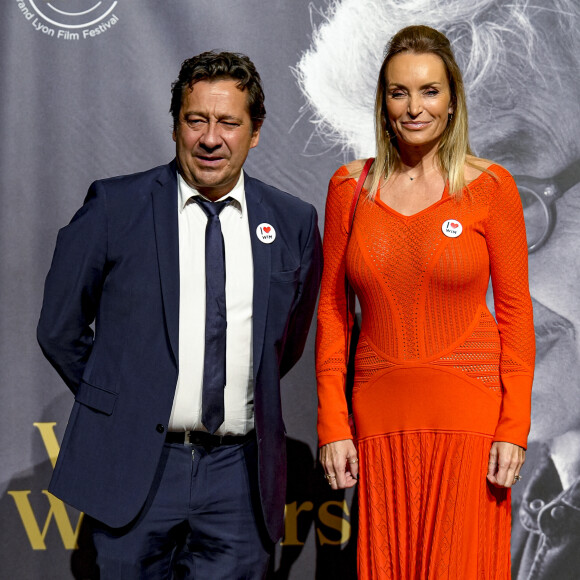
x,y
442,389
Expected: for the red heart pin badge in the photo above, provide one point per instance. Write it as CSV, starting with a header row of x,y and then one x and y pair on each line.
x,y
452,228
266,233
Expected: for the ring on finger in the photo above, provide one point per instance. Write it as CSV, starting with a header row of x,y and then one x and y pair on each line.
x,y
517,478
330,476
353,461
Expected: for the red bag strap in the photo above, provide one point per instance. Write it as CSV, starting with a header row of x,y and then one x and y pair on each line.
x,y
359,186
350,299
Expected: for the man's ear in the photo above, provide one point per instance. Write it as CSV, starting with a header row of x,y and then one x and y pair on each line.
x,y
256,127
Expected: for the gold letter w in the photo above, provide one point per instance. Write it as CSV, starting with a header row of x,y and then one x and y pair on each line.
x,y
57,508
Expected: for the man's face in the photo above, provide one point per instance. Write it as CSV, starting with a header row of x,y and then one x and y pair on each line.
x,y
554,285
213,136
554,275
535,140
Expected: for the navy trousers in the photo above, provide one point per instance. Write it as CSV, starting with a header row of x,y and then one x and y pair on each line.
x,y
202,521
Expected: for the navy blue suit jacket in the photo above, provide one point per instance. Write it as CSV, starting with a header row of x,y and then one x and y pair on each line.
x,y
117,264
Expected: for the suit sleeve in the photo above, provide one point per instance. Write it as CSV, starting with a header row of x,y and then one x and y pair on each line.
x,y
505,234
73,288
333,423
303,309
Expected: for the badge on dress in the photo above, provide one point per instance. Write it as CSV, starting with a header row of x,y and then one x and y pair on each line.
x,y
452,228
266,233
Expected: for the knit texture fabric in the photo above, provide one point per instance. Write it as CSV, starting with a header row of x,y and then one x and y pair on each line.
x,y
437,377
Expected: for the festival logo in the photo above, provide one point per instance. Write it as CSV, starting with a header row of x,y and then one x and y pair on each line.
x,y
70,19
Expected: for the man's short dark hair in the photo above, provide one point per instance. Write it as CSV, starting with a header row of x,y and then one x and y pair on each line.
x,y
213,65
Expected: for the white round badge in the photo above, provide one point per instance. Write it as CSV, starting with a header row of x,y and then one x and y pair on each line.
x,y
266,233
452,228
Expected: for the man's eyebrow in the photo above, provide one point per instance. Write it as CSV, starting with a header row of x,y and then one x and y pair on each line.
x,y
229,118
224,117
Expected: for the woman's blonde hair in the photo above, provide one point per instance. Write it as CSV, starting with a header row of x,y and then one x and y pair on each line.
x,y
454,145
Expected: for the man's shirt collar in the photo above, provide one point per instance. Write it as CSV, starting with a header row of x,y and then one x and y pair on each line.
x,y
187,193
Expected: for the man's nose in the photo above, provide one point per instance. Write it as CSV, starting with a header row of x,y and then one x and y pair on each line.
x,y
210,138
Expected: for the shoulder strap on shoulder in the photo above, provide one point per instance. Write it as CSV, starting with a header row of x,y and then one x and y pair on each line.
x,y
359,185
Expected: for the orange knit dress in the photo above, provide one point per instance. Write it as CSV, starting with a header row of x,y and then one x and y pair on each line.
x,y
437,378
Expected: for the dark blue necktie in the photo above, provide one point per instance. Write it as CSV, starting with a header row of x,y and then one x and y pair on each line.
x,y
214,364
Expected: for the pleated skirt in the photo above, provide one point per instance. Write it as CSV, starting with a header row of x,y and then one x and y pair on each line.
x,y
427,511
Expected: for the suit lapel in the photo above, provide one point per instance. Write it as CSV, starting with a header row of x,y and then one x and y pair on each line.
x,y
261,253
164,196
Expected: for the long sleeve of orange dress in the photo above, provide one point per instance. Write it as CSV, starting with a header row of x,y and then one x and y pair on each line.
x,y
435,372
331,334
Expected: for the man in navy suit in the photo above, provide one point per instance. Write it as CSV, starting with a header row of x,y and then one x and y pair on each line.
x,y
181,478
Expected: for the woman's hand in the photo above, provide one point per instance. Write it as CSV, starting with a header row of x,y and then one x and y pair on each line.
x,y
505,462
340,462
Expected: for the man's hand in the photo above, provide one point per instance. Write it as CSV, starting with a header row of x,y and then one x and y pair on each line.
x,y
505,462
340,462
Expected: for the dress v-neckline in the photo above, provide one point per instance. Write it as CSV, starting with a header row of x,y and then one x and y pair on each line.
x,y
444,197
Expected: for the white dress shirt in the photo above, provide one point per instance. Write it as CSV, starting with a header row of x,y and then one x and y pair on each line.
x,y
239,390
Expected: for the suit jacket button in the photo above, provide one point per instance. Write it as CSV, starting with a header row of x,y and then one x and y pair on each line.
x,y
160,428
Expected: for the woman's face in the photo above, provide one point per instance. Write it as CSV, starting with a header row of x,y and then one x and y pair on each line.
x,y
418,98
532,139
524,115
